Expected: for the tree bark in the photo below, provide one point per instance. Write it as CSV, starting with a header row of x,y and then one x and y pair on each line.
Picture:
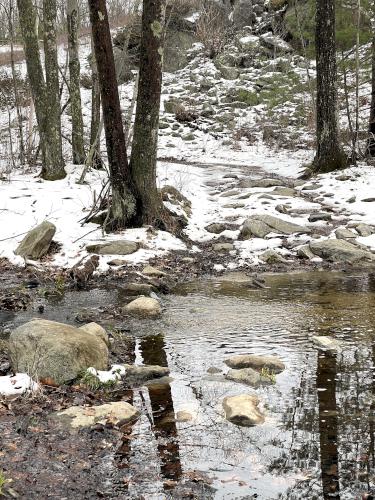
x,y
123,203
371,140
45,94
96,126
145,139
74,83
329,155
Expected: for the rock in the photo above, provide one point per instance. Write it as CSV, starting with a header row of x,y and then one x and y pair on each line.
x,y
184,416
339,251
285,191
223,247
37,241
364,230
274,225
326,342
137,288
216,228
56,352
144,306
78,417
243,410
247,376
117,247
262,183
227,72
272,363
213,370
368,200
143,373
96,330
272,257
275,42
253,227
117,262
282,209
243,14
153,271
343,234
248,43
352,199
305,253
320,216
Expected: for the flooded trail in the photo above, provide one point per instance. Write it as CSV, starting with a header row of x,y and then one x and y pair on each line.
x,y
318,437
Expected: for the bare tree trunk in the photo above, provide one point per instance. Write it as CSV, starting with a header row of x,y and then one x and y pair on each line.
x,y
370,151
45,94
74,83
96,128
14,78
329,155
145,140
123,204
55,163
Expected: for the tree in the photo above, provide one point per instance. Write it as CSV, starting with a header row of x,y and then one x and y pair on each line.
x,y
45,92
74,83
123,203
371,140
329,155
145,139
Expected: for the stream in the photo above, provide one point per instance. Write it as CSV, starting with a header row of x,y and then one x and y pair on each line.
x,y
318,437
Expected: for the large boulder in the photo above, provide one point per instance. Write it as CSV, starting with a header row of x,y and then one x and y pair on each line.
x,y
276,43
243,410
37,241
243,13
340,251
78,417
117,247
271,363
55,352
263,224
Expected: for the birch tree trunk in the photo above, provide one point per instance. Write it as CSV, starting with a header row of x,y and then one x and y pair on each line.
x,y
45,94
123,203
145,139
329,155
74,83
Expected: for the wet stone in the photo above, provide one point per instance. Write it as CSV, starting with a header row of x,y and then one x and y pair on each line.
x,y
272,363
243,410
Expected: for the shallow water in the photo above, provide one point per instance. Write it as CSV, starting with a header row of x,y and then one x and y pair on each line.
x,y
318,437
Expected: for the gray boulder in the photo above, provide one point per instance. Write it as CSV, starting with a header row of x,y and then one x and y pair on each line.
x,y
243,410
340,251
253,227
274,42
364,230
37,241
119,247
343,234
144,307
56,352
261,225
216,227
272,257
272,363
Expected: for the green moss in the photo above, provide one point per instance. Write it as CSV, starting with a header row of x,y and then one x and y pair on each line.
x,y
248,97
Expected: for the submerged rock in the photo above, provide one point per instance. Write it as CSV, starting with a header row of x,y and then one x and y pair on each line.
x,y
56,352
37,241
119,247
272,363
142,373
340,251
117,413
144,306
243,410
137,288
247,376
326,342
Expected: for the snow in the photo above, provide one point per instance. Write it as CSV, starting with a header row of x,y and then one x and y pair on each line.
x,y
17,384
112,375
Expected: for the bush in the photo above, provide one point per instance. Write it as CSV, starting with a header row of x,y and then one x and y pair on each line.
x,y
213,29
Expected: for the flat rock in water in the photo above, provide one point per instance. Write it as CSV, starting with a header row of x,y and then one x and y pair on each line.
x,y
272,363
326,342
142,373
247,376
117,247
37,241
55,352
243,410
340,251
78,417
144,306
